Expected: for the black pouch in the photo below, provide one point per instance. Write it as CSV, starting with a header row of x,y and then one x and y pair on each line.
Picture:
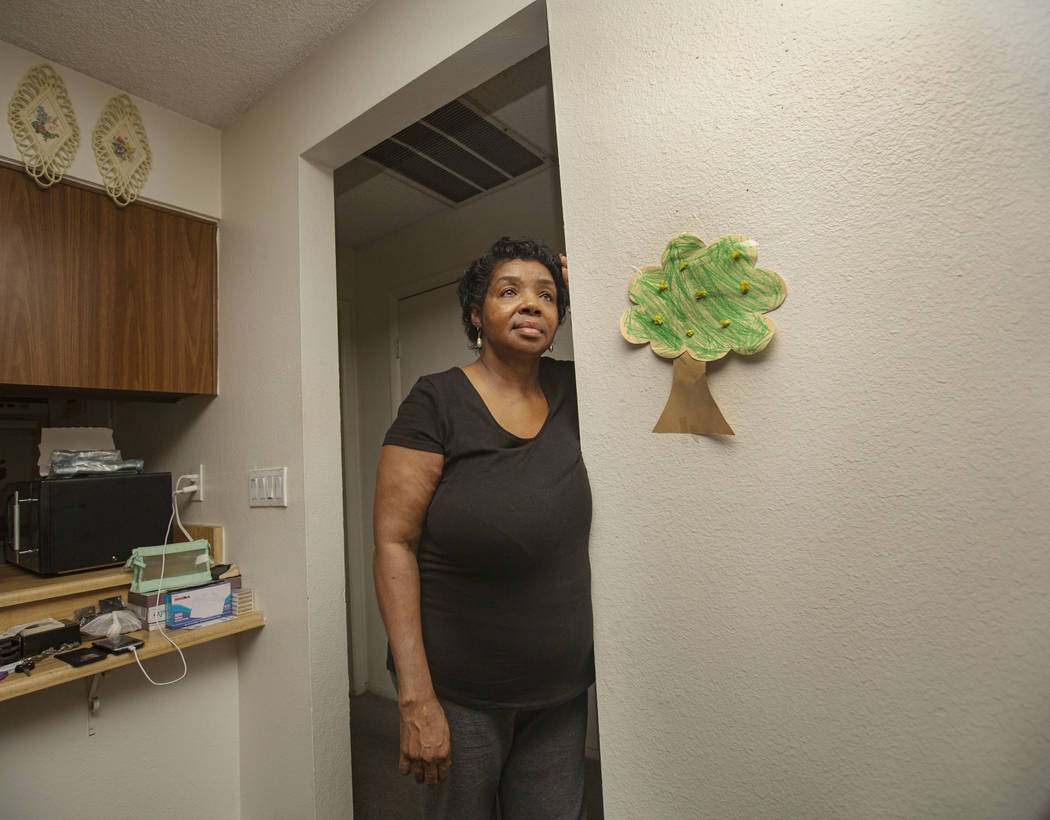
x,y
82,656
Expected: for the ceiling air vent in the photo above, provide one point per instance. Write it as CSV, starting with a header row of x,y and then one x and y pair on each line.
x,y
456,153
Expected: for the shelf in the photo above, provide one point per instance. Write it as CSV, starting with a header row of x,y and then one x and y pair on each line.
x,y
20,586
26,597
51,672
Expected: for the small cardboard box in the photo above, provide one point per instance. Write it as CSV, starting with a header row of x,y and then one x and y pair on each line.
x,y
192,606
152,617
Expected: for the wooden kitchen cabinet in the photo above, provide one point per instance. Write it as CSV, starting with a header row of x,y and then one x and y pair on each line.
x,y
93,296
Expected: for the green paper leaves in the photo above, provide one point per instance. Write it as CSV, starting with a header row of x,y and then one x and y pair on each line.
x,y
703,299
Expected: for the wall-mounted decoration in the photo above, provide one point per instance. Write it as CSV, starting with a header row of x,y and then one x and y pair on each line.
x,y
122,150
701,302
44,125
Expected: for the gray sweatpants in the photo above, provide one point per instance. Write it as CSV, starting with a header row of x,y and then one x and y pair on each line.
x,y
513,764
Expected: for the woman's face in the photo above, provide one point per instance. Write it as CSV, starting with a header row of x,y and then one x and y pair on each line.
x,y
520,313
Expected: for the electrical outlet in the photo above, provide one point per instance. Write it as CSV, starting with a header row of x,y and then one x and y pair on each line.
x,y
199,494
268,487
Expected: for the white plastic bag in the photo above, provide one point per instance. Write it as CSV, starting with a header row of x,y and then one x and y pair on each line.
x,y
110,624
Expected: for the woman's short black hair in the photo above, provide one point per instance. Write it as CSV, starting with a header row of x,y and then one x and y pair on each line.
x,y
474,283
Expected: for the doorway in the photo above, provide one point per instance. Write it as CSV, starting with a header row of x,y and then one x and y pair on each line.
x,y
405,232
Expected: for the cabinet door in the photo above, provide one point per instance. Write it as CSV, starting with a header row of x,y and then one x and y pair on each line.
x,y
95,296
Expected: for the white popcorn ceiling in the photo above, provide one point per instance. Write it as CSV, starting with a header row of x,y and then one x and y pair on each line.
x,y
209,60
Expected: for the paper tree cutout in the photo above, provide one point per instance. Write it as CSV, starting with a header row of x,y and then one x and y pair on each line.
x,y
700,303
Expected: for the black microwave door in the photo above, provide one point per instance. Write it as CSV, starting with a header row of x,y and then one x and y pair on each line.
x,y
94,522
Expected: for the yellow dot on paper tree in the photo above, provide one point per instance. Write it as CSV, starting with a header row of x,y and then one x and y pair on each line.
x,y
658,319
737,254
725,323
699,294
745,286
662,286
683,266
689,333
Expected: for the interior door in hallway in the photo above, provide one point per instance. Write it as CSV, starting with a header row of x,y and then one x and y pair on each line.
x,y
430,337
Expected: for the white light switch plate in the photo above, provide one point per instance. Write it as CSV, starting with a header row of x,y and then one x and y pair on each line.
x,y
268,487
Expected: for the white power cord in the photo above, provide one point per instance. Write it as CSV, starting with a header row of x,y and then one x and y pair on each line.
x,y
191,488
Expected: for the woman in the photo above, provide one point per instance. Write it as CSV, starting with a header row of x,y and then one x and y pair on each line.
x,y
482,515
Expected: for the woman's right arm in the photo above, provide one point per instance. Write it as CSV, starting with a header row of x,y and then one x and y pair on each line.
x,y
405,483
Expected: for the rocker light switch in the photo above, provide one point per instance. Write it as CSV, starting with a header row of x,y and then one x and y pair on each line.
x,y
268,487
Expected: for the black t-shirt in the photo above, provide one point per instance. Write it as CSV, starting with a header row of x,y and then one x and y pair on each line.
x,y
505,580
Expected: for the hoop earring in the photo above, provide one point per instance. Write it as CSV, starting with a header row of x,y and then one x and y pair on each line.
x,y
477,342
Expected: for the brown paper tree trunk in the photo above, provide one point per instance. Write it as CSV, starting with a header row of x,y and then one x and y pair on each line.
x,y
690,407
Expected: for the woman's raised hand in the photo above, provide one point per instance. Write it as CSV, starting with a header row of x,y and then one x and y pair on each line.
x,y
425,745
565,273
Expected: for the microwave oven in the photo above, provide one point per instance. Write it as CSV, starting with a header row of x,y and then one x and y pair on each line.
x,y
61,525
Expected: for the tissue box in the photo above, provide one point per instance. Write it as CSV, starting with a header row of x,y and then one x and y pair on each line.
x,y
192,606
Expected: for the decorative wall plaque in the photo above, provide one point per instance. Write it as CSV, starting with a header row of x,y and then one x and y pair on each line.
x,y
122,150
44,125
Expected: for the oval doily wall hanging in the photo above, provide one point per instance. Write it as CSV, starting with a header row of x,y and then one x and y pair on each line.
x,y
122,150
44,125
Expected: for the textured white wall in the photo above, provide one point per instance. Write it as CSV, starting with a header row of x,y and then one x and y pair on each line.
x,y
842,611
186,153
149,743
